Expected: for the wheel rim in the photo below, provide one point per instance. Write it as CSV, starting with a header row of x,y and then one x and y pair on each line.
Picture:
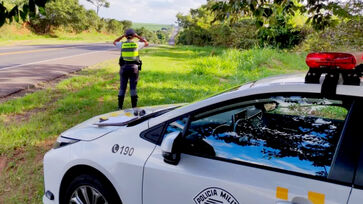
x,y
87,195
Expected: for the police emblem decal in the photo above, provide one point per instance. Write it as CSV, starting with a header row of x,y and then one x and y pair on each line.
x,y
215,195
115,148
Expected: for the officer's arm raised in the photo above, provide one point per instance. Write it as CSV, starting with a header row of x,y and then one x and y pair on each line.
x,y
142,40
118,39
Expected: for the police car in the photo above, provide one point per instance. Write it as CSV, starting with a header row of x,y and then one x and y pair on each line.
x,y
287,139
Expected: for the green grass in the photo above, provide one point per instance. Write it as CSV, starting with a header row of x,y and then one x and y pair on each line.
x,y
30,124
15,34
151,26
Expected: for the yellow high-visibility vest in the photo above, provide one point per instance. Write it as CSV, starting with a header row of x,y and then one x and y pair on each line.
x,y
129,51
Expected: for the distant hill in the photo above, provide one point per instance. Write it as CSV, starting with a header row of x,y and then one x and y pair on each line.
x,y
151,26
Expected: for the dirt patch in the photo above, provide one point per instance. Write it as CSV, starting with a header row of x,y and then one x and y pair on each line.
x,y
43,147
46,144
26,116
21,117
39,86
3,162
19,156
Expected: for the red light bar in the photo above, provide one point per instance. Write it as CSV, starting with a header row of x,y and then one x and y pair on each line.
x,y
331,60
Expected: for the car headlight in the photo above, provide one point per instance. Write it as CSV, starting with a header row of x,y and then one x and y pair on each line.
x,y
63,141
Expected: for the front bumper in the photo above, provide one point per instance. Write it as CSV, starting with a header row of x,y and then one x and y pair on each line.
x,y
47,201
54,165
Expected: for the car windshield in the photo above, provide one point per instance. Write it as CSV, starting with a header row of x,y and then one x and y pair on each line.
x,y
235,88
149,116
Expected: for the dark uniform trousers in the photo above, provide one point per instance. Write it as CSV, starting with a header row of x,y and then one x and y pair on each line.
x,y
128,72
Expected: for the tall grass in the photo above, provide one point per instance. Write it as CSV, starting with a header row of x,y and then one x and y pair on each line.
x,y
247,65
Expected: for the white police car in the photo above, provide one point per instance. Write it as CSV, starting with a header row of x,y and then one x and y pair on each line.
x,y
287,139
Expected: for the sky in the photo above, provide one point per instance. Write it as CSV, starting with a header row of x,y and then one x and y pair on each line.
x,y
146,11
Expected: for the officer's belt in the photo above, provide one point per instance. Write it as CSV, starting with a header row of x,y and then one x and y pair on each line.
x,y
131,62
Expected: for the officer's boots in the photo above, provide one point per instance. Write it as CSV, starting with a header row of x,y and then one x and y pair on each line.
x,y
134,101
120,102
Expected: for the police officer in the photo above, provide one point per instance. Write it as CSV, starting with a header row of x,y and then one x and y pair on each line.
x,y
130,64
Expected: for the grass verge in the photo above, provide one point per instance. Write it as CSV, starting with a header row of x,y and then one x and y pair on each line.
x,y
30,124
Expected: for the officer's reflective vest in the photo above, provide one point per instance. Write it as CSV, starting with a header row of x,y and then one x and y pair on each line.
x,y
129,52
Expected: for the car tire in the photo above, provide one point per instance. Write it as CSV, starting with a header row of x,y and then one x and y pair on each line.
x,y
92,187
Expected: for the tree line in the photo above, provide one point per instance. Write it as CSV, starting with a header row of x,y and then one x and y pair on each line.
x,y
304,25
45,16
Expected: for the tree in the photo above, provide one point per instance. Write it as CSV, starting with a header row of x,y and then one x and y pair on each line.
x,y
147,34
21,11
320,12
126,24
198,29
99,3
16,2
115,26
68,14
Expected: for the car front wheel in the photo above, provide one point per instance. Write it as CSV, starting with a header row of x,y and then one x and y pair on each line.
x,y
88,189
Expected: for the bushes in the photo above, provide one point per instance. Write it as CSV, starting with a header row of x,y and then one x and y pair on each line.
x,y
158,37
69,15
242,34
195,36
162,36
66,13
277,28
239,35
114,26
199,28
280,34
346,36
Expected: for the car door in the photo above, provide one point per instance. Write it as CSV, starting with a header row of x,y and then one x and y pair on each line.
x,y
356,196
265,149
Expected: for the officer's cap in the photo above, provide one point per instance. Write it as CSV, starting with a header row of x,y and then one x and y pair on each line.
x,y
130,32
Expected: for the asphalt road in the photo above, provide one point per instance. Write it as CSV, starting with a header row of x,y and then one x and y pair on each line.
x,y
23,67
12,57
173,35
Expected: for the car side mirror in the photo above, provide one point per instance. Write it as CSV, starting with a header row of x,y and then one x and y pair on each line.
x,y
169,148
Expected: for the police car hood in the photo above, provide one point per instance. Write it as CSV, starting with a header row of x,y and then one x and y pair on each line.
x,y
91,129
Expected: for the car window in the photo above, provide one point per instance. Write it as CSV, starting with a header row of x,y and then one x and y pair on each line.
x,y
293,133
177,125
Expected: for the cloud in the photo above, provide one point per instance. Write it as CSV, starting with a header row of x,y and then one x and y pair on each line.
x,y
146,11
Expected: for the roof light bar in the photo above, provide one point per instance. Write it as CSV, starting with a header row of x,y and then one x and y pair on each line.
x,y
331,60
334,65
